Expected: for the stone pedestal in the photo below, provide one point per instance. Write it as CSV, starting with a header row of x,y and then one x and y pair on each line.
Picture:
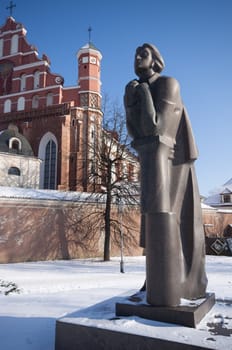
x,y
83,337
188,314
98,328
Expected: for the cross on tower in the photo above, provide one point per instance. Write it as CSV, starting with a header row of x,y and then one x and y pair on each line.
x,y
89,30
10,7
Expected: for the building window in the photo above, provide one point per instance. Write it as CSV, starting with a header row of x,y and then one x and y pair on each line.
x,y
49,99
226,198
36,79
35,101
7,106
23,82
14,43
14,171
6,71
21,104
50,166
15,144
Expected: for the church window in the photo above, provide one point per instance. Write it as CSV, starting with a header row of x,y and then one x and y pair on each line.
x,y
14,171
1,47
15,144
21,104
49,99
36,79
23,82
7,106
50,165
35,101
14,43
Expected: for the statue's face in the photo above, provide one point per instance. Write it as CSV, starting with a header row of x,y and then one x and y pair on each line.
x,y
143,60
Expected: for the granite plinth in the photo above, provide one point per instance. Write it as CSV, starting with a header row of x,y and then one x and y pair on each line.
x,y
189,314
97,327
78,337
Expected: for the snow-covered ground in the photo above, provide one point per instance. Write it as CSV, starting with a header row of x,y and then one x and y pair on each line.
x,y
51,290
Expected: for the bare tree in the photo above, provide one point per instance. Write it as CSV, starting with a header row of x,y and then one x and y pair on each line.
x,y
113,170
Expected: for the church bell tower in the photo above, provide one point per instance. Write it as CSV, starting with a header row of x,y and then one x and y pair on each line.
x,y
89,69
89,84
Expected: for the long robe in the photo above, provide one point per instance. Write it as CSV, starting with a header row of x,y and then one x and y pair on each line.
x,y
170,203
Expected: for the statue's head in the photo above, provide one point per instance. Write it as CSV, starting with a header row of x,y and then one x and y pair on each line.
x,y
147,60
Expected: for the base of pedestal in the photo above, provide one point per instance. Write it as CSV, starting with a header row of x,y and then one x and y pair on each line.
x,y
97,327
188,314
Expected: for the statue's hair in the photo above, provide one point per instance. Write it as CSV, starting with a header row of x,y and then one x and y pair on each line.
x,y
159,61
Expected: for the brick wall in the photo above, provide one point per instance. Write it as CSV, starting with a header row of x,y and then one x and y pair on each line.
x,y
36,230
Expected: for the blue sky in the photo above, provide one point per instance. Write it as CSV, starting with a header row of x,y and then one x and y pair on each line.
x,y
194,37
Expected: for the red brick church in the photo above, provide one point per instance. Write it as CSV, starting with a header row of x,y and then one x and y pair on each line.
x,y
58,122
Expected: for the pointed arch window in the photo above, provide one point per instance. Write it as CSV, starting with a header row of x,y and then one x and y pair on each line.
x,y
48,149
50,165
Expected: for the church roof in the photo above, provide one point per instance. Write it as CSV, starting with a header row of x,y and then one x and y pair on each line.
x,y
12,134
90,45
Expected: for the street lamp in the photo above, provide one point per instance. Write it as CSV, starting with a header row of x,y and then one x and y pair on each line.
x,y
120,211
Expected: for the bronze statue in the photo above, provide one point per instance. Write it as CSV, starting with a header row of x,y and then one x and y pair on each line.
x,y
171,223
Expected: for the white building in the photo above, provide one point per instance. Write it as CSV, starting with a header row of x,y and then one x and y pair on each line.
x,y
222,198
18,165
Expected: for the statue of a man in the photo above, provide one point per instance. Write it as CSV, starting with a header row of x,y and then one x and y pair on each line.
x,y
171,222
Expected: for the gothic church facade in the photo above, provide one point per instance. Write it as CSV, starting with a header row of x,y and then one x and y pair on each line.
x,y
58,122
